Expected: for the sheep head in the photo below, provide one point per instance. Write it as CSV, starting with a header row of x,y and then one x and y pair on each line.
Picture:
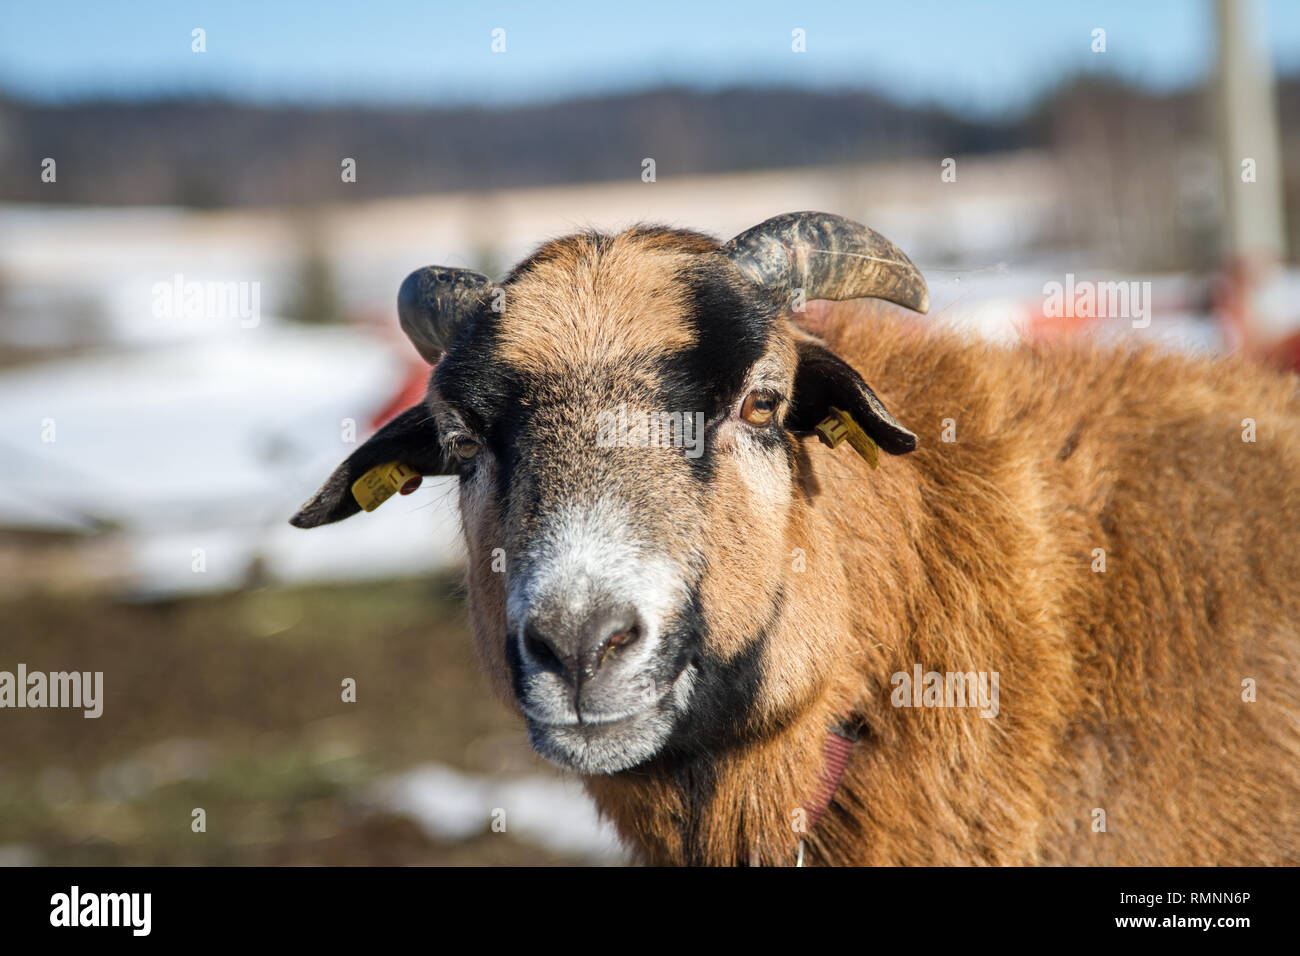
x,y
625,415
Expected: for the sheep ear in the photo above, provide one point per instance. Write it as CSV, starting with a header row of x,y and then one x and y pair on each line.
x,y
411,438
823,380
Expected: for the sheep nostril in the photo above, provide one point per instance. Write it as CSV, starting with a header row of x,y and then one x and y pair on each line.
x,y
616,642
575,653
542,651
622,638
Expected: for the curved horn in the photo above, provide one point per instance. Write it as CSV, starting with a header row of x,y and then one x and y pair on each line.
x,y
434,302
829,257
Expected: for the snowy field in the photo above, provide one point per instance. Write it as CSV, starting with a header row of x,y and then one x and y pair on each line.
x,y
182,440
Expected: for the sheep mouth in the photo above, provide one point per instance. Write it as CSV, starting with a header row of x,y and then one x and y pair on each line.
x,y
607,745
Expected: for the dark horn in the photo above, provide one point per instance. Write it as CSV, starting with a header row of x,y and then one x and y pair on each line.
x,y
434,302
828,257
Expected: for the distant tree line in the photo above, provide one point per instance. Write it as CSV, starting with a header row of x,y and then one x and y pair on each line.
x,y
210,153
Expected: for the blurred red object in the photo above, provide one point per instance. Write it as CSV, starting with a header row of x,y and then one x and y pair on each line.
x,y
409,393
1039,325
1284,354
1234,306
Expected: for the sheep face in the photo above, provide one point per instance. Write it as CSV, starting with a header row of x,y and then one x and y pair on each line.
x,y
625,417
628,485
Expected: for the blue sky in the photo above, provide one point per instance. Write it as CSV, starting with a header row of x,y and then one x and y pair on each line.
x,y
978,56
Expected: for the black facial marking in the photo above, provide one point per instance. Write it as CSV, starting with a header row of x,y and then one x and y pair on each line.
x,y
487,392
470,378
722,703
719,717
732,324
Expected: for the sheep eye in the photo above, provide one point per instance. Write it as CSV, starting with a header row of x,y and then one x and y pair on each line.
x,y
465,448
758,408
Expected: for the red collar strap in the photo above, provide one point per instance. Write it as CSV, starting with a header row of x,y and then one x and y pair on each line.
x,y
835,757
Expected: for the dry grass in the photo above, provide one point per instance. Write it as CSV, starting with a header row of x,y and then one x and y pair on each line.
x,y
233,704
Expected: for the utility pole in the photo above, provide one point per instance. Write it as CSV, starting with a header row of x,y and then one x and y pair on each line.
x,y
1254,232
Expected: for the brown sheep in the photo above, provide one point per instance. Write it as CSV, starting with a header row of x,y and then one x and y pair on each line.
x,y
1090,525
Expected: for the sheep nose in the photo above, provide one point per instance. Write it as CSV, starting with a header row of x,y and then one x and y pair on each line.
x,y
576,650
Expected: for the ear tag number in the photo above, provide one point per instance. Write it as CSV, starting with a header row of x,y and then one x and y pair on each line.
x,y
383,481
838,426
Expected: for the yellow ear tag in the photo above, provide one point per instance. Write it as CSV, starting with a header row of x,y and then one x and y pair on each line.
x,y
383,481
838,426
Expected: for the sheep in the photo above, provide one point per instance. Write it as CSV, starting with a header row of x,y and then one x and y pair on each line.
x,y
1102,543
